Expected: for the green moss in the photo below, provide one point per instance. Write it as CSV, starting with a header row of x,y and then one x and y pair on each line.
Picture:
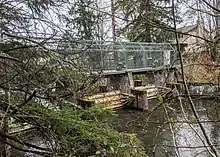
x,y
87,100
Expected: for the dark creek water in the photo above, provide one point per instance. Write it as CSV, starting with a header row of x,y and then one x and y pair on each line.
x,y
153,128
155,133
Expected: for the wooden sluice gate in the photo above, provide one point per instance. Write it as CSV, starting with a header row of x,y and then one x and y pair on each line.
x,y
138,98
140,92
113,100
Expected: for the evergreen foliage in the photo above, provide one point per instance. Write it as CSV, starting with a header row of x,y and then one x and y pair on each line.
x,y
146,20
85,132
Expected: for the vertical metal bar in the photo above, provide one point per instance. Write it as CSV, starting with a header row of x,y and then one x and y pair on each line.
x,y
125,55
143,56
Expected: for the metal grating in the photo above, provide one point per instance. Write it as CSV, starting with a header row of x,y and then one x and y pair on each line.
x,y
108,55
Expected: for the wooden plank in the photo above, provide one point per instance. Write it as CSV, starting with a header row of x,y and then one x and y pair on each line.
x,y
128,95
112,100
115,103
104,95
108,99
174,83
114,107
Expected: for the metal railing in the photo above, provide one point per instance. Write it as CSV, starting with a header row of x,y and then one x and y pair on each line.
x,y
108,55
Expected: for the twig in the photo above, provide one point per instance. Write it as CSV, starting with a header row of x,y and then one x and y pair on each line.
x,y
213,148
172,132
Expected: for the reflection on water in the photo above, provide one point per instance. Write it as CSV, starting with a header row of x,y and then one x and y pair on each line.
x,y
153,129
31,137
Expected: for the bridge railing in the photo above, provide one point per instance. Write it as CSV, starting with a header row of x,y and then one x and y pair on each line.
x,y
100,55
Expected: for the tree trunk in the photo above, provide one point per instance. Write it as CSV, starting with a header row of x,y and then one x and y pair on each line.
x,y
114,31
218,18
3,152
214,53
3,119
148,28
145,11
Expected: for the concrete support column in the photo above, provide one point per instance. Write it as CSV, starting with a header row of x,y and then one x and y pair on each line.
x,y
141,101
148,78
114,82
178,76
119,82
159,78
171,76
125,84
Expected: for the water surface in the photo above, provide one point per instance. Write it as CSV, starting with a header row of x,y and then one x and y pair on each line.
x,y
153,129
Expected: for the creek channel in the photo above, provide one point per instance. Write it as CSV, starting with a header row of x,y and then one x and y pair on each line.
x,y
153,128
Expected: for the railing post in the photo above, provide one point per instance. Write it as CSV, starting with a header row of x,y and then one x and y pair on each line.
x,y
166,57
126,59
144,59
